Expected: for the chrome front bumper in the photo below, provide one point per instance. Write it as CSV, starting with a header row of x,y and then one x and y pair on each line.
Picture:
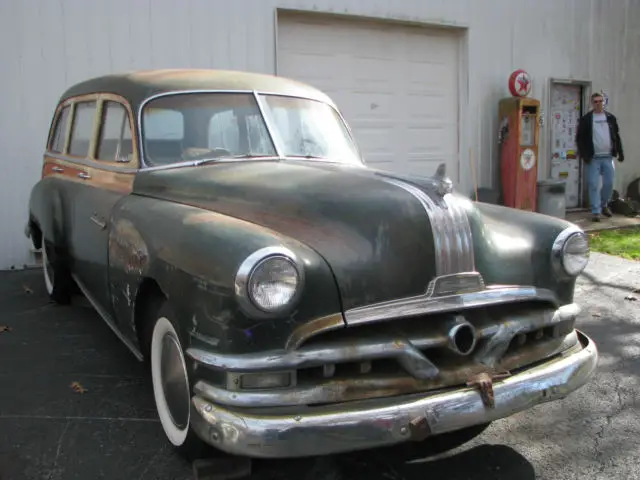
x,y
377,423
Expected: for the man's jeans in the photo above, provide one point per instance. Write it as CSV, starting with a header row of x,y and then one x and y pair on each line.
x,y
596,167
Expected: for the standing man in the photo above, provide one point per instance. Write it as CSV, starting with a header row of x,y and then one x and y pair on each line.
x,y
598,141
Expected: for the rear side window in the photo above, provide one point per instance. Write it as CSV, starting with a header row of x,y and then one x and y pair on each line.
x,y
82,129
60,131
115,143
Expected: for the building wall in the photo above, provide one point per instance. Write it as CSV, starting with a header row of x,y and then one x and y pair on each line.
x,y
50,44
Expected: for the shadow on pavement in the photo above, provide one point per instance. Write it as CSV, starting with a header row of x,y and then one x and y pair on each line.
x,y
482,462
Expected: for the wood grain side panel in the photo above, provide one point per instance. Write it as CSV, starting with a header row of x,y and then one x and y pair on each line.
x,y
121,182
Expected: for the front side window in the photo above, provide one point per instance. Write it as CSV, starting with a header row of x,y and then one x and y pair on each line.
x,y
114,141
202,126
82,131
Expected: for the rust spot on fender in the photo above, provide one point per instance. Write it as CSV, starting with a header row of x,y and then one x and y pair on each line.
x,y
127,249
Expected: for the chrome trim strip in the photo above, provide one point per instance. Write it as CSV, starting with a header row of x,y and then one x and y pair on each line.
x,y
312,328
107,319
361,387
424,305
403,350
276,140
465,282
464,255
450,228
340,428
406,349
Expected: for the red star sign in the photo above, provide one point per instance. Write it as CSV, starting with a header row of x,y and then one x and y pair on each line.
x,y
523,83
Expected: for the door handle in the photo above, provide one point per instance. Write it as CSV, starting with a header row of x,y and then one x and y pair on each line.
x,y
57,169
84,176
95,219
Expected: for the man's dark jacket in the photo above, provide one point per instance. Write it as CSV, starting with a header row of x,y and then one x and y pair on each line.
x,y
584,137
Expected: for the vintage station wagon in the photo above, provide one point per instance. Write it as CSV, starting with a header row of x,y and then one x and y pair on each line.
x,y
290,300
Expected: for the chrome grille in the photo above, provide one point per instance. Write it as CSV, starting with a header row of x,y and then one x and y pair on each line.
x,y
399,356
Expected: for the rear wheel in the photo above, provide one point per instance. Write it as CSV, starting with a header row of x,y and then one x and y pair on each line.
x,y
57,278
172,385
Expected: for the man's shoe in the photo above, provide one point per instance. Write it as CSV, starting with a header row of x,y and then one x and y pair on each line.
x,y
606,211
596,217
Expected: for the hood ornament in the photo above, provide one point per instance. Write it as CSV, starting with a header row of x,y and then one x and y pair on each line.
x,y
444,183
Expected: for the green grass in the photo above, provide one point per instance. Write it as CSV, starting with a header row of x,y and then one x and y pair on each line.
x,y
624,242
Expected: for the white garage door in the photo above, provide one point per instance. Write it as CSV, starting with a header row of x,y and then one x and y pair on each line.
x,y
397,86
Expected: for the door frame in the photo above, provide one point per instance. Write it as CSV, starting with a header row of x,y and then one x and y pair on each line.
x,y
586,86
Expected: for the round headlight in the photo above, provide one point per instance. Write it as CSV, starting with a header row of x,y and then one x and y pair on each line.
x,y
571,252
273,283
576,254
269,281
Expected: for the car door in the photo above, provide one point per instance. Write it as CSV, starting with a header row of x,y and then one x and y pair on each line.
x,y
107,176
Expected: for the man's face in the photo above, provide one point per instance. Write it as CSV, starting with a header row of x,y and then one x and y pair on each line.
x,y
598,104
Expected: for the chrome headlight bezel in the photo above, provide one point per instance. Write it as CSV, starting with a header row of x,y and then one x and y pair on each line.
x,y
559,250
247,269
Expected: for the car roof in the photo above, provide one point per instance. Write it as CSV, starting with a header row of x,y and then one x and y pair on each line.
x,y
137,86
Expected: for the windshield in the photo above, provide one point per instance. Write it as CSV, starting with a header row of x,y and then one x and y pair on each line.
x,y
207,126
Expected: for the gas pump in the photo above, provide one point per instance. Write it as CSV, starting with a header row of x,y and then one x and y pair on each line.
x,y
518,139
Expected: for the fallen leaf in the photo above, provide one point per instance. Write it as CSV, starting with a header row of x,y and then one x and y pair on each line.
x,y
637,290
631,298
4,328
597,315
77,387
27,290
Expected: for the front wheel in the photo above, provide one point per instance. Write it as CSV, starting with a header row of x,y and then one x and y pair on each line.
x,y
57,279
171,386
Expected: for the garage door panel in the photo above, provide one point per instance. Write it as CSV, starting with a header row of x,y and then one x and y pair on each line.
x,y
373,68
396,85
367,105
430,74
431,139
374,43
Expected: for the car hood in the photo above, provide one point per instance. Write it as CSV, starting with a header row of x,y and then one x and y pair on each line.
x,y
373,228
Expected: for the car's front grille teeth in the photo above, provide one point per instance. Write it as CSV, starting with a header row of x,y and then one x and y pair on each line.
x,y
548,336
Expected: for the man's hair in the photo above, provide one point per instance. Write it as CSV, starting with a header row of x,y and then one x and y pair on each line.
x,y
596,95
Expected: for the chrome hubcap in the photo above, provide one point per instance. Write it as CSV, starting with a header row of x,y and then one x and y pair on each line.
x,y
174,381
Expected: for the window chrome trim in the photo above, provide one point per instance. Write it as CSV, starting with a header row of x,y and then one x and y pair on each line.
x,y
277,142
144,166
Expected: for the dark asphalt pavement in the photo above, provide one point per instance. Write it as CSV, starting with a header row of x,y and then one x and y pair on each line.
x,y
48,431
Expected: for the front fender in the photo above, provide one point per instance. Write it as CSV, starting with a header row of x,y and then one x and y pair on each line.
x,y
515,247
193,254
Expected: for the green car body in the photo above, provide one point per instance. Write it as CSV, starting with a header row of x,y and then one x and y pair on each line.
x,y
313,305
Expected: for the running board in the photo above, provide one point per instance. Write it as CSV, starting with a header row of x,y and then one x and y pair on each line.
x,y
108,320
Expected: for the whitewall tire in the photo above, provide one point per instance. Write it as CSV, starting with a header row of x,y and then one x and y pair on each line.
x,y
172,386
57,279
